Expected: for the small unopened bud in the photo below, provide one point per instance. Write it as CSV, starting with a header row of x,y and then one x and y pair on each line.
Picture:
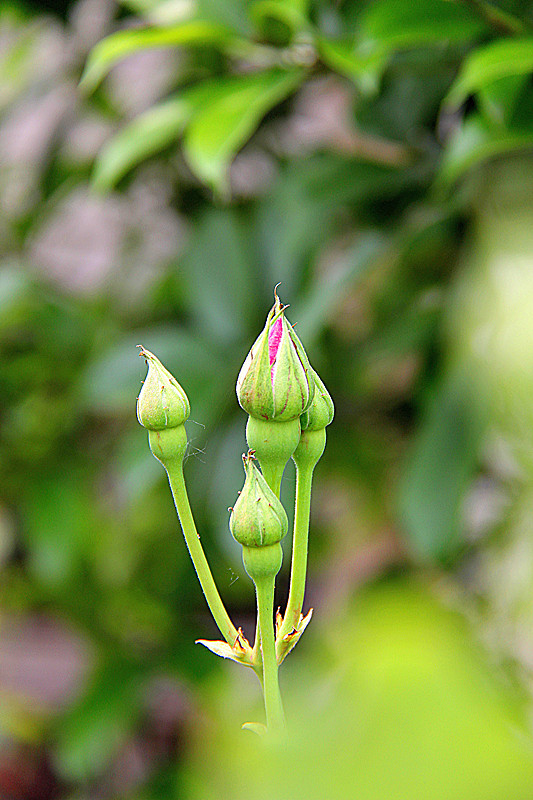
x,y
258,518
162,402
321,411
259,522
275,380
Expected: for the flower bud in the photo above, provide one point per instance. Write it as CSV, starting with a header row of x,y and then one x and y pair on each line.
x,y
258,519
275,380
162,403
320,412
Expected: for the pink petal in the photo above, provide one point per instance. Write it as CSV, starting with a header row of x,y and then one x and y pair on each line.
x,y
274,339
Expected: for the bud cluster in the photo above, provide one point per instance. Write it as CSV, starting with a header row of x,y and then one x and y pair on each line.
x,y
289,409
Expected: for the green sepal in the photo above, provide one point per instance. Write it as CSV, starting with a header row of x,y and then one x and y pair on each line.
x,y
162,403
258,519
321,410
254,385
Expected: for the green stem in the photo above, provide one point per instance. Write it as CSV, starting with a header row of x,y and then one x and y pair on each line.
x,y
205,576
304,479
264,588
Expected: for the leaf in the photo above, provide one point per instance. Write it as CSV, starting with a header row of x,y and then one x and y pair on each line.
x,y
439,469
498,100
231,114
304,206
487,64
146,135
124,43
255,727
291,639
290,12
230,13
363,68
477,141
399,24
222,296
392,25
59,522
241,652
92,731
316,310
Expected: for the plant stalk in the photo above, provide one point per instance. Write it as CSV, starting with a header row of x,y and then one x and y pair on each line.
x,y
275,717
300,541
196,552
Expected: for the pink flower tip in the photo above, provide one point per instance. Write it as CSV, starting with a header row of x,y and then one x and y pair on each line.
x,y
274,340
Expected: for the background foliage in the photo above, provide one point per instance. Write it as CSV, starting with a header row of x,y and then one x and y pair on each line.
x,y
376,159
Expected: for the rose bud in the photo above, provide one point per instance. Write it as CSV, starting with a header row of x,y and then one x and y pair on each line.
x,y
275,387
162,408
258,522
275,380
162,403
320,413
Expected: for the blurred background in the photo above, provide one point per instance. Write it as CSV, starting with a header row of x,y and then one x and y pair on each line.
x,y
376,158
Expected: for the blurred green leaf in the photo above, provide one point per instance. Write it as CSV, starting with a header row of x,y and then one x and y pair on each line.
x,y
59,521
289,12
232,14
124,43
498,99
146,135
496,60
412,709
399,24
231,114
314,311
474,142
388,26
90,733
439,468
219,274
305,204
364,68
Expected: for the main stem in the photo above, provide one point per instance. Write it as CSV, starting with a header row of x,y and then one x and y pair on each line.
x,y
205,576
275,717
300,542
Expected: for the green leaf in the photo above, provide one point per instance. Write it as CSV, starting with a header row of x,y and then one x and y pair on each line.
x,y
490,63
291,13
219,275
392,25
111,383
230,13
231,114
91,732
363,68
475,142
146,135
498,100
304,205
398,24
124,43
317,308
139,140
439,469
